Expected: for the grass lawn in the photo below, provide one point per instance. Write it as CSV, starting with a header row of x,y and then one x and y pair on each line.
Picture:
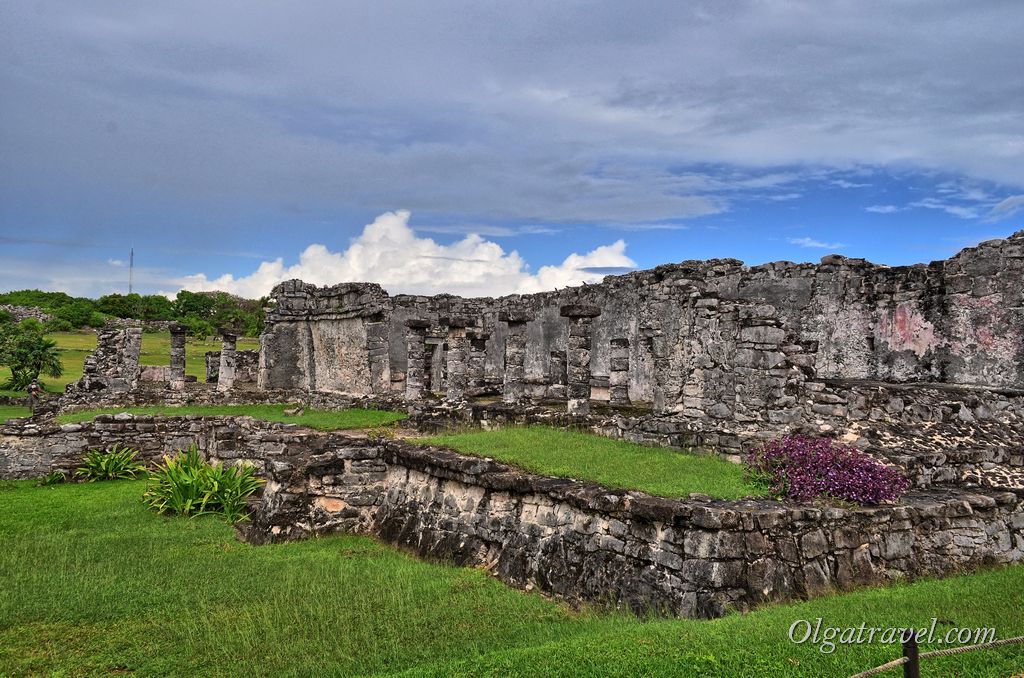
x,y
318,419
94,584
585,456
12,412
156,350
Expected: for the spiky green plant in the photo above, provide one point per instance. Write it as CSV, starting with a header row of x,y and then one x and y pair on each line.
x,y
189,485
52,478
117,463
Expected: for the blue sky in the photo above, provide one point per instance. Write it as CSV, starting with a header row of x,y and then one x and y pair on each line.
x,y
482,150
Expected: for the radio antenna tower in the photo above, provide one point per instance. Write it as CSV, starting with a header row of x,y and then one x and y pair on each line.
x,y
131,269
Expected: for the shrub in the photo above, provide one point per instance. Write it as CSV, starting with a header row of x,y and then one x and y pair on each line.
x,y
804,469
118,463
189,485
52,478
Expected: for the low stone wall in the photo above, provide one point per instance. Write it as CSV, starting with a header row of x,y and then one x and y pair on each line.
x,y
584,542
577,540
20,313
935,433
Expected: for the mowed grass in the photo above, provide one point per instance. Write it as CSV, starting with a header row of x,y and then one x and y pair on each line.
x,y
156,350
585,456
318,419
12,412
94,584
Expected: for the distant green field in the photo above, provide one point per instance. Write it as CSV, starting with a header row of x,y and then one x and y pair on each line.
x,y
156,350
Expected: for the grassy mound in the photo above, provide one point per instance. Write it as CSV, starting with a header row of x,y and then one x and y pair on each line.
x,y
571,454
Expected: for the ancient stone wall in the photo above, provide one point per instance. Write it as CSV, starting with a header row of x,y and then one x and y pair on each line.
x,y
20,313
114,365
580,541
711,339
326,339
247,366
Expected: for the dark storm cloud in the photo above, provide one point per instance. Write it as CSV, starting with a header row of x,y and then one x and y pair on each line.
x,y
556,112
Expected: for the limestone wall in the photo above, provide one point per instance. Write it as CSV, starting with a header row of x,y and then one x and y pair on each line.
x,y
708,338
247,366
114,365
580,541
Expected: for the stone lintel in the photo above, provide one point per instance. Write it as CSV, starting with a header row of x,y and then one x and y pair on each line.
x,y
579,311
515,315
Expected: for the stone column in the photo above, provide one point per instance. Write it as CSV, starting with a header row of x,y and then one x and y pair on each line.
x,y
130,362
660,354
228,361
378,352
476,364
457,357
558,376
176,372
515,354
618,372
580,317
416,361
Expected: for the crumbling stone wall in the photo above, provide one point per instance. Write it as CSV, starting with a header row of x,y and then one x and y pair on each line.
x,y
577,540
711,339
326,339
247,366
114,365
20,313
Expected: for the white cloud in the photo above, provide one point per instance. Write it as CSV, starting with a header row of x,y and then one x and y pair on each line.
x,y
843,183
882,209
390,253
962,211
116,263
1007,208
811,242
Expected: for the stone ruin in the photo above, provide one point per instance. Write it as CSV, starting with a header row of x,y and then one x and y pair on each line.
x,y
711,341
920,366
114,369
114,365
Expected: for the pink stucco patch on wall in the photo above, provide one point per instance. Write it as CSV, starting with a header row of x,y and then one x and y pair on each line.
x,y
905,329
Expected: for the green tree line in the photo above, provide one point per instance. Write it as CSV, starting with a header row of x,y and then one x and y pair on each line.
x,y
202,312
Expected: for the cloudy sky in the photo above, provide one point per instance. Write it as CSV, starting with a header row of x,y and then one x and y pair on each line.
x,y
466,147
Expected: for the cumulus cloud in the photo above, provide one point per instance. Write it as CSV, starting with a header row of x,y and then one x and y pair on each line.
x,y
817,244
389,252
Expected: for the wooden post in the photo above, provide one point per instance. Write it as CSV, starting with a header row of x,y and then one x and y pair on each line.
x,y
912,667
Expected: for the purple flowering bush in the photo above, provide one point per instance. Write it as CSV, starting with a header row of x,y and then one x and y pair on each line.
x,y
804,469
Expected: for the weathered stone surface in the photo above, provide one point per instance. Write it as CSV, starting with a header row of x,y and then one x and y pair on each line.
x,y
114,365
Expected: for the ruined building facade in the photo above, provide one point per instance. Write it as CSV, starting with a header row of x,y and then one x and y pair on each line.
x,y
706,339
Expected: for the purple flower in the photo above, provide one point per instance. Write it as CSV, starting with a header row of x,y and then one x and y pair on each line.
x,y
804,469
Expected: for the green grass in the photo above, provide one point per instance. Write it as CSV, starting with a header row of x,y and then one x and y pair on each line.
x,y
94,584
156,350
585,456
318,419
12,412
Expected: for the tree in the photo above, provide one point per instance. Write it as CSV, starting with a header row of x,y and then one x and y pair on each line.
x,y
27,353
193,304
79,313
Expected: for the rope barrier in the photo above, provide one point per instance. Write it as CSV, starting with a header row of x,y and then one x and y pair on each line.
x,y
938,653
